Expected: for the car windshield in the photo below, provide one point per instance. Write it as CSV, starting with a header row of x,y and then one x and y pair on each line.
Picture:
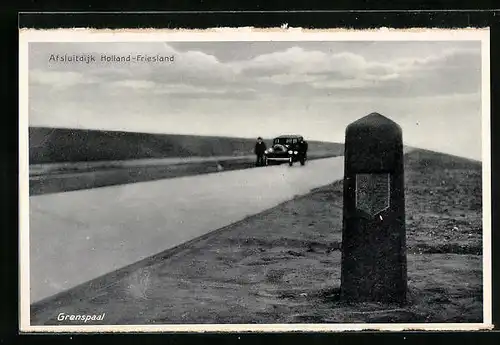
x,y
285,141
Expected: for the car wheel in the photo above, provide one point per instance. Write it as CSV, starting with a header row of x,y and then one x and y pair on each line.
x,y
302,162
290,162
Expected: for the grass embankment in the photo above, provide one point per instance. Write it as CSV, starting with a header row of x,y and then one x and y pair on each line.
x,y
57,145
283,265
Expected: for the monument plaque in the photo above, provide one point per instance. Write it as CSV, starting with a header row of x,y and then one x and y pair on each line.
x,y
373,234
372,193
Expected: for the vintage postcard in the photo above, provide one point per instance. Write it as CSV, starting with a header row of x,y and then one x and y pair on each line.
x,y
254,180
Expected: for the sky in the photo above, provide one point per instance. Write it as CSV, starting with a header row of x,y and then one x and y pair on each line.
x,y
432,89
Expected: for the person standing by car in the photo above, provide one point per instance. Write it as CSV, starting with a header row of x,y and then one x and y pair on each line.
x,y
303,150
260,149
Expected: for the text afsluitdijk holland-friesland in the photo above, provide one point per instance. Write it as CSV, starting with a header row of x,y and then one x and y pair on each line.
x,y
111,58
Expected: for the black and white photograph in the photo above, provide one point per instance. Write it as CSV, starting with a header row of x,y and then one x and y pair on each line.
x,y
268,180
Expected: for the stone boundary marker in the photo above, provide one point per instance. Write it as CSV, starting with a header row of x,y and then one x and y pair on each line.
x,y
373,234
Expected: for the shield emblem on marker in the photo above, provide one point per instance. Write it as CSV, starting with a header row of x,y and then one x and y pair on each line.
x,y
372,193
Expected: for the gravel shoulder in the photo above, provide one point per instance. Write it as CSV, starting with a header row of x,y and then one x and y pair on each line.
x,y
283,265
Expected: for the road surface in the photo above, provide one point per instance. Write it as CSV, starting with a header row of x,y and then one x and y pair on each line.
x,y
80,235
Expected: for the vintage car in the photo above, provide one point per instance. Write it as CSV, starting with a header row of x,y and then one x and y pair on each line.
x,y
287,148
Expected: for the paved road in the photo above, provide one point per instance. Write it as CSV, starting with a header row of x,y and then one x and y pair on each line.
x,y
80,235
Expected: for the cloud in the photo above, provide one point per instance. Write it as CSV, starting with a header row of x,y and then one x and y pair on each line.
x,y
133,84
343,84
289,78
297,71
349,71
59,79
298,61
191,66
147,89
187,89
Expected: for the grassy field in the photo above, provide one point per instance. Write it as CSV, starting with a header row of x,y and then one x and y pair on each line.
x,y
56,145
283,265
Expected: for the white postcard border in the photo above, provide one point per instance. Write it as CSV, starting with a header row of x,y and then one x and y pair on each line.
x,y
246,34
